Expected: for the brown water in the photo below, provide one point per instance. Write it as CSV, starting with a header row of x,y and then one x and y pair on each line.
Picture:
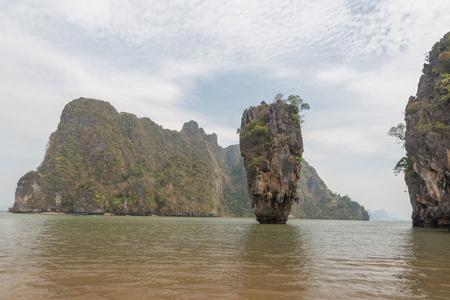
x,y
111,257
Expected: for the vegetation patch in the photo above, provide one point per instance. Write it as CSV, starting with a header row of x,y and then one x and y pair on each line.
x,y
256,133
444,88
438,48
435,126
256,161
420,105
403,165
443,63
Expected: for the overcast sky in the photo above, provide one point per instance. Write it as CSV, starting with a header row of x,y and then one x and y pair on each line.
x,y
355,62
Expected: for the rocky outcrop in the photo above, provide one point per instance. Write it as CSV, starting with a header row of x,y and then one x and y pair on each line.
x,y
271,144
427,141
30,195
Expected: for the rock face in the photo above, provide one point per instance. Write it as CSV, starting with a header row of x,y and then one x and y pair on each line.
x,y
427,141
271,143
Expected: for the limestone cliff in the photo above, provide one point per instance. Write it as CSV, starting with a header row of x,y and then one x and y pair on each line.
x,y
99,160
271,144
427,141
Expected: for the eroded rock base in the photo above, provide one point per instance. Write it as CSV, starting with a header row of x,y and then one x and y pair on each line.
x,y
271,211
263,220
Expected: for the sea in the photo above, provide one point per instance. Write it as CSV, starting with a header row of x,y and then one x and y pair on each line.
x,y
46,256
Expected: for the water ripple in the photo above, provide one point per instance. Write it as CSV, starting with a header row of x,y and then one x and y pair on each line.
x,y
110,257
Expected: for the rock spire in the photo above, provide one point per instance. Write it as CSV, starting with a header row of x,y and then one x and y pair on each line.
x,y
271,144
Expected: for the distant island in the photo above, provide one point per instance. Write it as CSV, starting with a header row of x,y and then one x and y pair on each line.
x,y
102,161
380,215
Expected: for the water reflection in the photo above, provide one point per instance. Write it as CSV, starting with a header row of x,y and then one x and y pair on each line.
x,y
429,266
19,269
358,259
55,257
123,257
271,262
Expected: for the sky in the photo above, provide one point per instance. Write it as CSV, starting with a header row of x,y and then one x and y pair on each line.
x,y
355,62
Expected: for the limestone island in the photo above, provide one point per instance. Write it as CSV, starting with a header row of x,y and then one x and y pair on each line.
x,y
271,143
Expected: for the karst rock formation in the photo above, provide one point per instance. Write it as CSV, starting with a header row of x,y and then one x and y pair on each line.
x,y
427,141
101,161
271,145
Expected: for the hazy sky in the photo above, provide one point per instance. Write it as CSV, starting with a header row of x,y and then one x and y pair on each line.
x,y
355,62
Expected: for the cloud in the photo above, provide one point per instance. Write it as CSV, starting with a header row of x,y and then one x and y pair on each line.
x,y
236,34
346,139
86,14
250,32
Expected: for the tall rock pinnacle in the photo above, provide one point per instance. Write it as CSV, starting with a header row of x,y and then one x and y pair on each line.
x,y
271,143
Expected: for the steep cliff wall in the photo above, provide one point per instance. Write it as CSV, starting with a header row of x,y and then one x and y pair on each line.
x,y
271,143
427,141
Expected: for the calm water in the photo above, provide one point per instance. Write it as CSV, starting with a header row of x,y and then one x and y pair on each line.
x,y
112,257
